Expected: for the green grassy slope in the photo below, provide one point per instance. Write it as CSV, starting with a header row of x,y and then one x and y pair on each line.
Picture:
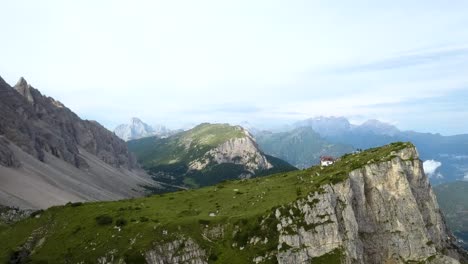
x,y
301,147
165,151
169,158
453,201
70,234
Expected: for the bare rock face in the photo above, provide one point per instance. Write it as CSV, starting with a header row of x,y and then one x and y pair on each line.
x,y
50,156
384,213
238,151
39,124
183,250
7,157
134,130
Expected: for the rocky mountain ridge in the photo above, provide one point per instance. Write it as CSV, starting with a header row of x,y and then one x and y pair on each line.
x,y
39,124
136,129
49,155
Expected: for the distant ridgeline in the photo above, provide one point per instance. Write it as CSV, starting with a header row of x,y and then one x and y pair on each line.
x,y
205,155
450,151
376,206
302,147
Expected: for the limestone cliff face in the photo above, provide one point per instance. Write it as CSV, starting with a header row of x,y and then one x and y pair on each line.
x,y
178,251
383,213
242,151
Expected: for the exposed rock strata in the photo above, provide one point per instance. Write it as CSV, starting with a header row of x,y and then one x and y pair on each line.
x,y
383,213
242,151
184,251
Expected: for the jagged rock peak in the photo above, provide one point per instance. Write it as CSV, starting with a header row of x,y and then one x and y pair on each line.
x,y
24,89
21,82
135,120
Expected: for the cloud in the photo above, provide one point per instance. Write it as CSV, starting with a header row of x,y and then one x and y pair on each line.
x,y
408,60
430,167
466,177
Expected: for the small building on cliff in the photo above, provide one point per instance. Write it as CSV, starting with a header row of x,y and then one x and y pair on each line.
x,y
326,161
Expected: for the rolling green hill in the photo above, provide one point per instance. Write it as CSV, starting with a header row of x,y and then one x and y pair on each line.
x,y
219,221
205,155
453,201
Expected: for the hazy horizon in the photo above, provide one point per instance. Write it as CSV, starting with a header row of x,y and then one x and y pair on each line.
x,y
268,63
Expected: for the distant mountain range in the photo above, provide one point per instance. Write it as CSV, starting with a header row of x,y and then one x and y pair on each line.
x,y
303,142
50,156
204,155
136,129
301,147
450,153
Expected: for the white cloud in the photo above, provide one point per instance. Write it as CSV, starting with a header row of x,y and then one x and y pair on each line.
x,y
166,61
430,167
466,177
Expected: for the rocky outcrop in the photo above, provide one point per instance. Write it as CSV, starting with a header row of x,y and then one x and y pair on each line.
x,y
10,215
183,250
383,213
242,151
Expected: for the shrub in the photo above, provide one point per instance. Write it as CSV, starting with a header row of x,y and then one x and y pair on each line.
x,y
120,222
144,219
134,258
104,220
76,204
77,229
298,191
213,257
203,222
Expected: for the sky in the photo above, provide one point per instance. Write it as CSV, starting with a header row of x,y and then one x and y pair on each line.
x,y
266,62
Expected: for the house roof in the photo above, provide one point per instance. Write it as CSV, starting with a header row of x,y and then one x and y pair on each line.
x,y
327,158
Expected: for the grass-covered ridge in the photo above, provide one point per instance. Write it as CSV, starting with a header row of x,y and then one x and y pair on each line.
x,y
185,146
168,159
128,228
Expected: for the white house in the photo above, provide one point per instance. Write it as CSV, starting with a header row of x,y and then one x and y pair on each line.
x,y
326,161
